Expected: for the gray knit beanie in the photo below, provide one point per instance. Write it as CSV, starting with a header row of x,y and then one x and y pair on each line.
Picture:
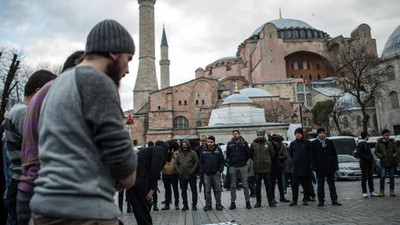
x,y
109,36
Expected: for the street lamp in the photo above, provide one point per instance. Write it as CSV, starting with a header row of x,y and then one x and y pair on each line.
x,y
306,113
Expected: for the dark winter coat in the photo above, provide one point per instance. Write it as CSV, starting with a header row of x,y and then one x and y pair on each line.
x,y
324,160
285,161
262,152
211,161
300,153
187,163
151,161
364,154
237,152
387,155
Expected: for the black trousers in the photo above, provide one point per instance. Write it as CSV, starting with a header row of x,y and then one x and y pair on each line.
x,y
277,179
305,183
367,175
171,181
330,178
267,182
141,206
201,182
184,186
252,185
11,197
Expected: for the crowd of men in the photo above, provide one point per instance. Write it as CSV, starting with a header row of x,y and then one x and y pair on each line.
x,y
66,151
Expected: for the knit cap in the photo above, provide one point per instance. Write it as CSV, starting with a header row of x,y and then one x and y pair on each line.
x,y
109,36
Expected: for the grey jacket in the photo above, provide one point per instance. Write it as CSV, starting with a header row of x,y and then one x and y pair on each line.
x,y
83,147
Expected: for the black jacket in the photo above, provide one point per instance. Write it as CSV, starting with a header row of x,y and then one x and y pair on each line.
x,y
364,154
237,152
324,160
211,161
300,153
151,161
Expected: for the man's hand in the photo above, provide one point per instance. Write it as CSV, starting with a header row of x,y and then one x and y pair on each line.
x,y
218,173
149,195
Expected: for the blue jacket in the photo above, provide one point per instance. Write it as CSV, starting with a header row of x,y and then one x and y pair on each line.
x,y
237,152
211,161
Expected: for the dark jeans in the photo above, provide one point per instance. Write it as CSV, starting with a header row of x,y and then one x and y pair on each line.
x,y
389,169
330,178
155,197
171,180
141,206
267,182
367,175
23,209
305,183
252,185
277,178
11,198
184,186
201,182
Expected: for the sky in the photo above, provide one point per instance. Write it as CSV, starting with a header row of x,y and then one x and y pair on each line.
x,y
198,31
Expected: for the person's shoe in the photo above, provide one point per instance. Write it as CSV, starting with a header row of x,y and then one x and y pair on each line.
x,y
176,207
312,199
293,203
185,207
271,204
194,208
273,201
257,205
336,203
155,208
365,195
248,206
381,193
121,209
373,194
305,203
283,200
207,208
219,207
166,207
320,204
233,206
391,193
129,208
163,202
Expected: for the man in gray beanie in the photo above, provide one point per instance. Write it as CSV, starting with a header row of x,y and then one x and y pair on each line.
x,y
85,152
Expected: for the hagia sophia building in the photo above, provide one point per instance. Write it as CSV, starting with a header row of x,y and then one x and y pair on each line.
x,y
276,77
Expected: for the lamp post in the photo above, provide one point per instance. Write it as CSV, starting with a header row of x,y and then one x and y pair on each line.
x,y
306,113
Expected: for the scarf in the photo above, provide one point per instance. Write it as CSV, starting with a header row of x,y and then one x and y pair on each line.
x,y
322,142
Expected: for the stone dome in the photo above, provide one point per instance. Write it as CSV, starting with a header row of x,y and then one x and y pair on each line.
x,y
301,29
255,92
349,102
237,98
392,46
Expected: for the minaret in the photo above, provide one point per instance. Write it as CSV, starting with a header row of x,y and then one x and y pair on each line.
x,y
146,80
164,62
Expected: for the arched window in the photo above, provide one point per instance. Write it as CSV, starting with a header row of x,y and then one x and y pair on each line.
x,y
310,77
390,73
180,122
233,86
319,76
375,121
300,63
301,76
292,76
394,99
346,122
358,121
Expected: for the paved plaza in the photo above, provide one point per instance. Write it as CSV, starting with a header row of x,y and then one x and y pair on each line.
x,y
355,210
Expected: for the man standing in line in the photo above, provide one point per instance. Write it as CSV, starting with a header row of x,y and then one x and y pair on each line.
x,y
187,165
300,153
14,124
324,161
385,149
237,154
262,152
278,167
212,165
203,142
367,165
85,152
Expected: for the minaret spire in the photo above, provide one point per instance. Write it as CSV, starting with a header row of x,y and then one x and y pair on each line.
x,y
164,62
280,13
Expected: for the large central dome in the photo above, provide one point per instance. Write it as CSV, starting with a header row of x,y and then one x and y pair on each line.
x,y
392,46
293,29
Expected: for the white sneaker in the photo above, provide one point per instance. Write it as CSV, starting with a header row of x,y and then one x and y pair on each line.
x,y
374,194
365,195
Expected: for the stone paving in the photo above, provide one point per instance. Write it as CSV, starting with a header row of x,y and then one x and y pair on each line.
x,y
355,210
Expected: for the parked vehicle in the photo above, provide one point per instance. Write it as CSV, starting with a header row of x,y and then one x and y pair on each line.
x,y
346,145
349,167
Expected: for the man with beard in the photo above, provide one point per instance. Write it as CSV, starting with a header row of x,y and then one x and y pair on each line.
x,y
85,152
151,161
324,161
262,152
237,154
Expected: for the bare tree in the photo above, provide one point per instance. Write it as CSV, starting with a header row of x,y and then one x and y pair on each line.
x,y
354,64
273,110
